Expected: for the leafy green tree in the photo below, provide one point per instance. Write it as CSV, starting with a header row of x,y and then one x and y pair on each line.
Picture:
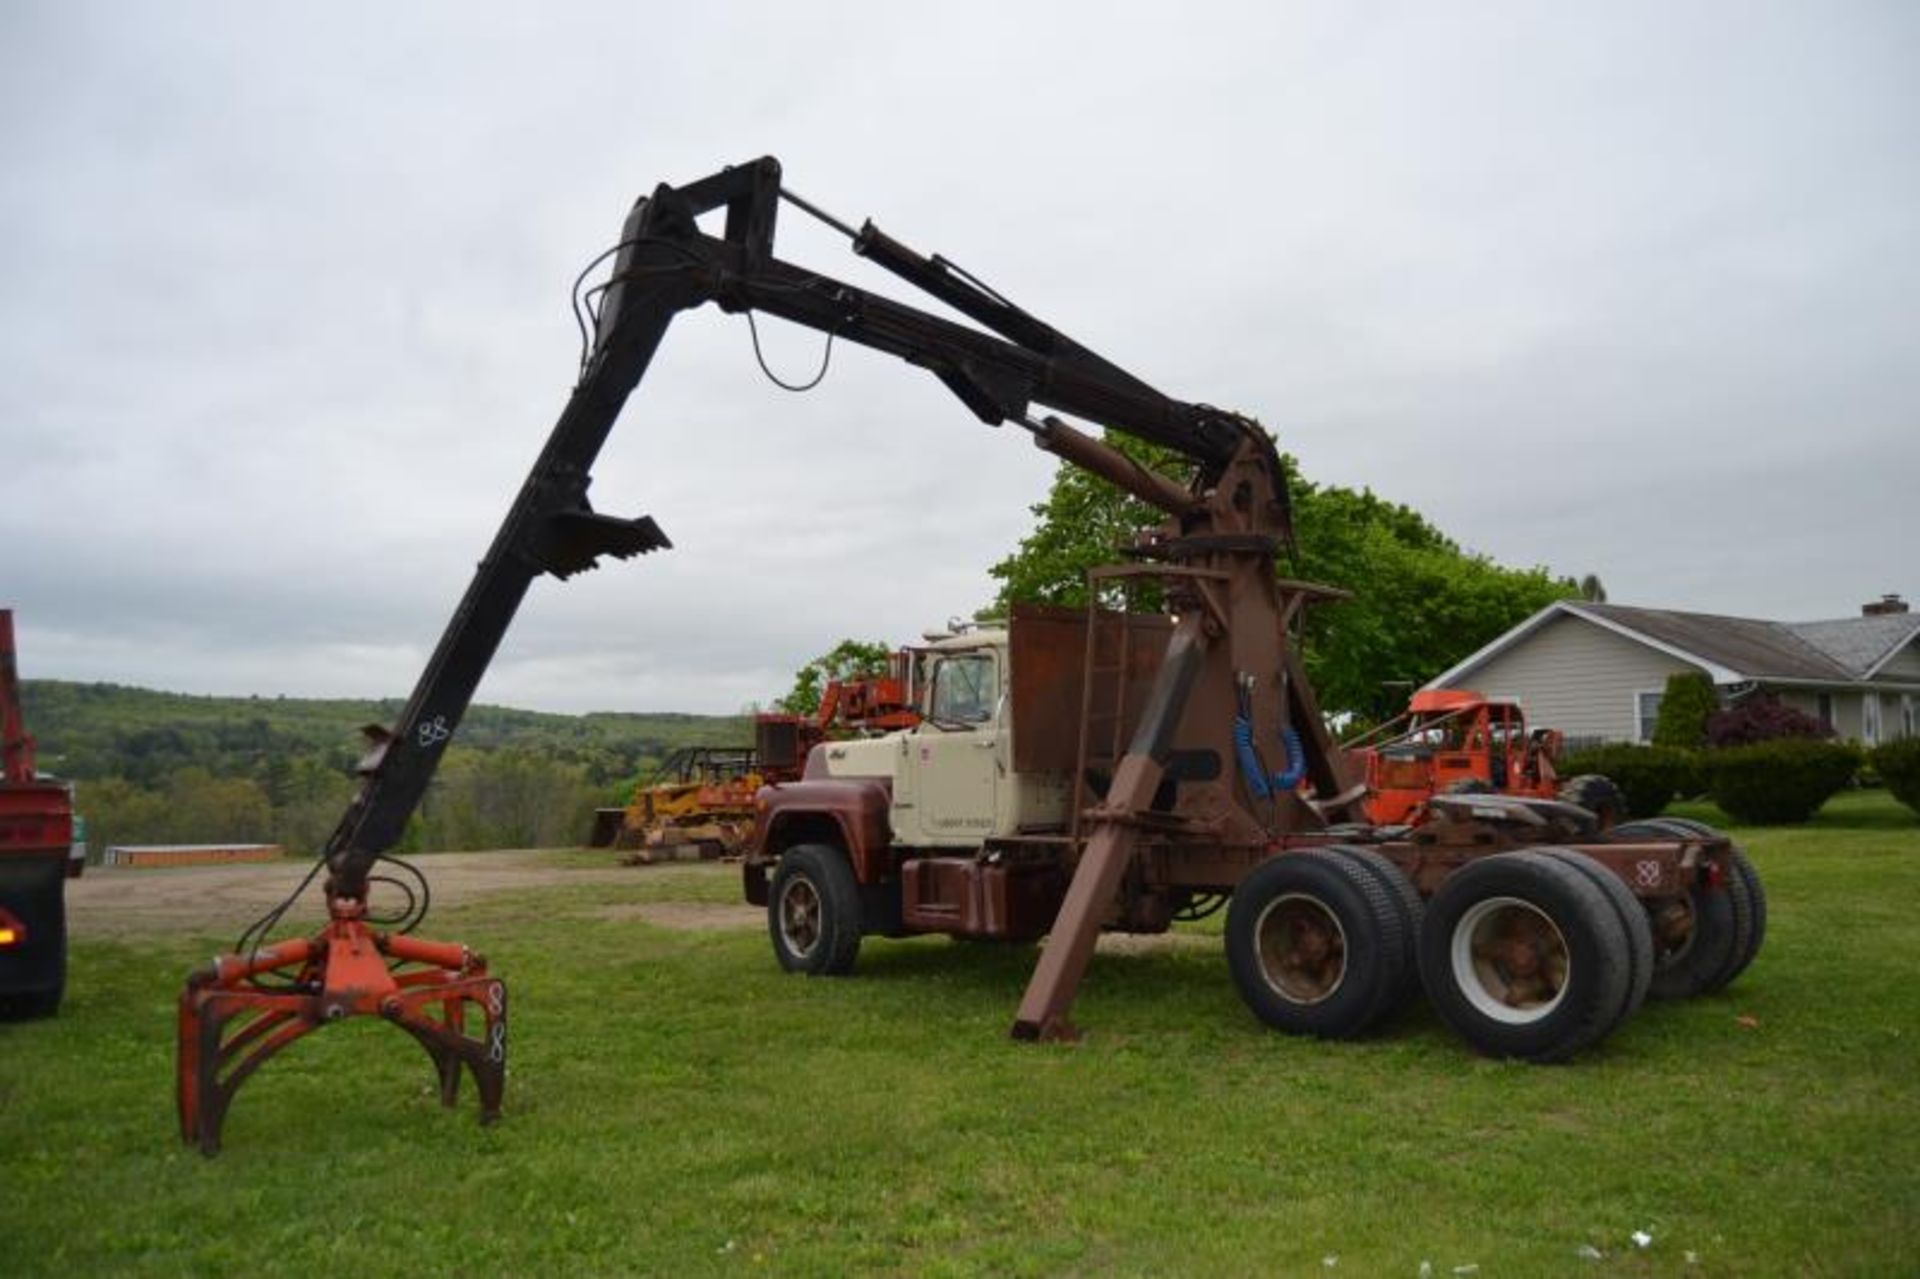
x,y
1420,602
1082,523
190,806
119,811
511,798
202,808
310,800
1685,706
849,659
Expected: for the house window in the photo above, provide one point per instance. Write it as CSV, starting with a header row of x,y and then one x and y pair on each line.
x,y
1906,715
1870,718
1825,711
1646,712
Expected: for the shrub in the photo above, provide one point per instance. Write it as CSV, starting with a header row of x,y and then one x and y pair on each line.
x,y
1779,782
1898,764
1684,710
1762,718
1647,776
1696,774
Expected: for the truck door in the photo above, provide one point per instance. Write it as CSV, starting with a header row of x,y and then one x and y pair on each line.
x,y
955,750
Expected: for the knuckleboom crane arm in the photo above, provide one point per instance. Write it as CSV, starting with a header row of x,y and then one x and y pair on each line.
x,y
665,264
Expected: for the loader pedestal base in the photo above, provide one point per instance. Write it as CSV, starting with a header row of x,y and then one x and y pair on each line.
x,y
232,1021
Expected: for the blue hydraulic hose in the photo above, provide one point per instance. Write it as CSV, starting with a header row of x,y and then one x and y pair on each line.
x,y
1249,761
1250,767
1296,761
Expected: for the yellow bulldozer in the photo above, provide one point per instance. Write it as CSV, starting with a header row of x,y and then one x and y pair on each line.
x,y
697,806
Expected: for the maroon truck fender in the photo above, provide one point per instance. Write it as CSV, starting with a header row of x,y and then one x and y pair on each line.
x,y
850,813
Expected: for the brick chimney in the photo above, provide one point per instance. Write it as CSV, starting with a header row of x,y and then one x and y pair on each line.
x,y
1884,605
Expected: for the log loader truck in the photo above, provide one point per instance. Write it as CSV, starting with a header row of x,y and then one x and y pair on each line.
x,y
1108,769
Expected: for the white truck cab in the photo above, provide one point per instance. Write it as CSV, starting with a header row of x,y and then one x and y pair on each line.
x,y
952,774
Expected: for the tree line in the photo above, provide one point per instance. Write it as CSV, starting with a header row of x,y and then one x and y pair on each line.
x,y
167,768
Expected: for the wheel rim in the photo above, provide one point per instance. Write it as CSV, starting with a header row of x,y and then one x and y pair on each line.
x,y
1510,960
1302,948
800,915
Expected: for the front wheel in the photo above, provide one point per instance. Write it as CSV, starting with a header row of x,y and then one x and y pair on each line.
x,y
813,911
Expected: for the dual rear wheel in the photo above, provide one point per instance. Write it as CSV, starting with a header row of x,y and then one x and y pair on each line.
x,y
1534,954
1321,942
1707,937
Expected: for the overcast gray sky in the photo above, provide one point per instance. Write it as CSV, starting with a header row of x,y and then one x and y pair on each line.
x,y
1627,289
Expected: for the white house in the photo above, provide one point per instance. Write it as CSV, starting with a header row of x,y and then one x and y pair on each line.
x,y
1598,670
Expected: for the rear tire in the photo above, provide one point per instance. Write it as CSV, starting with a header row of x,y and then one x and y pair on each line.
x,y
44,1003
1706,939
49,971
1525,956
1401,891
813,911
1633,921
1757,898
1756,893
1315,944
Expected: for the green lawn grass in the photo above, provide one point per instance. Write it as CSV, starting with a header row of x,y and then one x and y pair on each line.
x,y
677,1105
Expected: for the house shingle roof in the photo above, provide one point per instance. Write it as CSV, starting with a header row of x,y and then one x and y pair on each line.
x,y
1859,643
1844,648
1748,645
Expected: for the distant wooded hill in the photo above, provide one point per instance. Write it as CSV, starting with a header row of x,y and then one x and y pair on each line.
x,y
174,767
112,730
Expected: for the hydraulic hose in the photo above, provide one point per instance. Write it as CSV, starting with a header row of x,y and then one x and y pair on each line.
x,y
1252,766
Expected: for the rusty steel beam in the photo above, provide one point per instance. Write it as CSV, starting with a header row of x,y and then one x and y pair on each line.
x,y
1063,963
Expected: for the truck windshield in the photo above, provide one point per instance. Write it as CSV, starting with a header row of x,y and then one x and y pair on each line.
x,y
965,689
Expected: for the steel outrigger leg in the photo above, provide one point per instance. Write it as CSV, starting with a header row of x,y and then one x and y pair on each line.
x,y
231,1022
1056,977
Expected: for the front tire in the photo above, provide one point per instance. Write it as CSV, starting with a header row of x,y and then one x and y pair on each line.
x,y
1525,956
1316,945
813,911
